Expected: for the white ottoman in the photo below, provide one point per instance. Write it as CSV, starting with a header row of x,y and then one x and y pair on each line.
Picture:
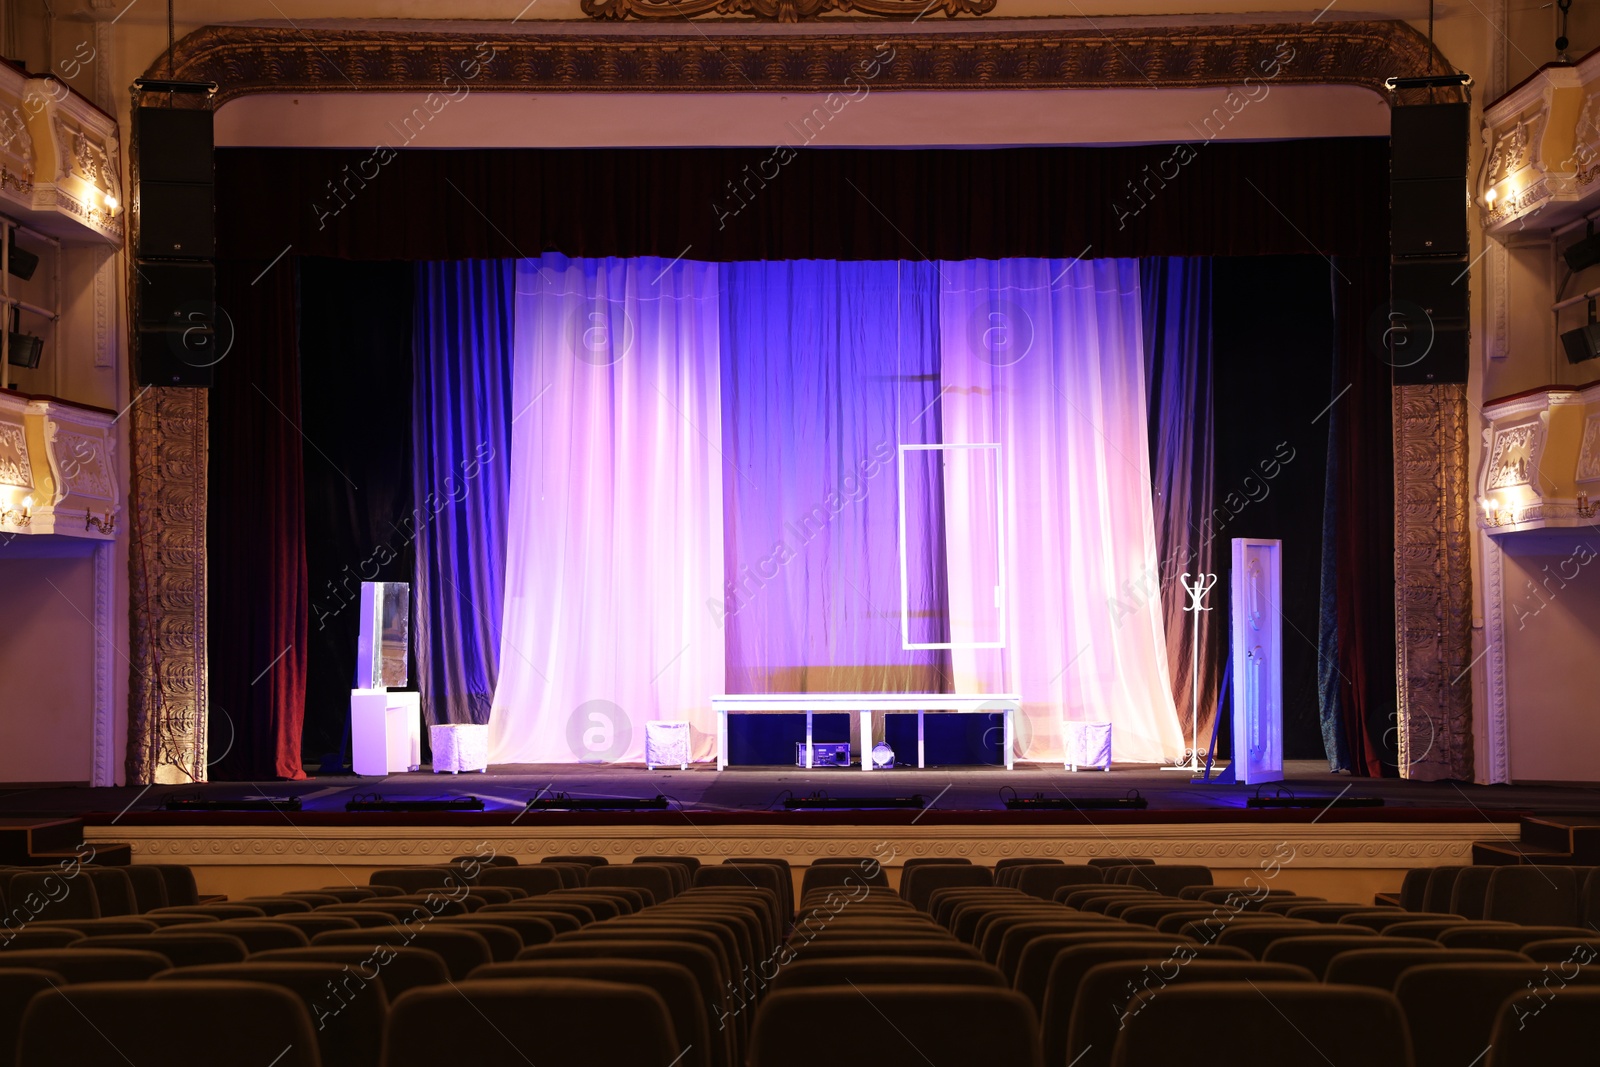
x,y
459,747
1088,744
666,743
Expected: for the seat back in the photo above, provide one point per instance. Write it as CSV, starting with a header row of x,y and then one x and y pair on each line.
x,y
1256,937
113,1024
1167,877
1451,1008
460,950
1052,968
843,876
346,1015
674,982
1380,967
181,947
1304,1021
57,896
650,878
533,879
517,1021
149,887
88,964
1471,891
1087,1033
1441,888
886,970
1315,952
918,883
1414,888
1562,1033
965,1024
1512,938
112,888
396,969
1042,881
1533,896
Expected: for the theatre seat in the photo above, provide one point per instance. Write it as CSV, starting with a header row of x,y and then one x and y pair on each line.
x,y
1042,881
955,1024
396,969
1380,967
1510,937
1314,952
1451,1007
174,1024
149,887
179,946
89,965
17,987
648,878
886,970
533,879
1049,972
1470,892
518,1021
347,1016
674,982
461,950
1302,1023
57,896
844,876
1563,1032
1534,896
1086,1035
918,883
36,936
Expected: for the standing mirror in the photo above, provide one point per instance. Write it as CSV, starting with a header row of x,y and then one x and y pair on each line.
x,y
382,656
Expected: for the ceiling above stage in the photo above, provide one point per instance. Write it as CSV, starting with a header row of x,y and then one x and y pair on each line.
x,y
899,119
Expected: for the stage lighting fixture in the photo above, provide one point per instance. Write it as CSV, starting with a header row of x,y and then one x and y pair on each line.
x,y
256,803
563,802
376,802
1289,800
1039,802
882,757
823,802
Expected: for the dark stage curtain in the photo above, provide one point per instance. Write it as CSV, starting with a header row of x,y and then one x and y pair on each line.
x,y
1273,345
256,604
1283,197
1356,636
461,413
1178,396
355,343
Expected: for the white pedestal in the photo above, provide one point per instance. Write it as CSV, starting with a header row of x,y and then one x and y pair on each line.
x,y
459,747
666,743
1088,744
385,731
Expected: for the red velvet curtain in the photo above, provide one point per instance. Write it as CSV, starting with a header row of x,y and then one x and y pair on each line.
x,y
256,550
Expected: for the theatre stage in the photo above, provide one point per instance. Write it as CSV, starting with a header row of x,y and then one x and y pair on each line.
x,y
1341,853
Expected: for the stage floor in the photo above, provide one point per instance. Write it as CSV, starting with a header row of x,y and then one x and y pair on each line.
x,y
754,793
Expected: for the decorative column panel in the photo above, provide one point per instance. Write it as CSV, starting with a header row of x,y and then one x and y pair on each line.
x,y
167,582
1433,582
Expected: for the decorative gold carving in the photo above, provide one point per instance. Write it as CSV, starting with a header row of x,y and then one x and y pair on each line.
x,y
1236,845
167,576
243,60
1514,456
15,467
780,10
1433,603
1589,453
22,183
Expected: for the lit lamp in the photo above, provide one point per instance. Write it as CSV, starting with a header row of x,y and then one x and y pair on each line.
x,y
1585,509
18,517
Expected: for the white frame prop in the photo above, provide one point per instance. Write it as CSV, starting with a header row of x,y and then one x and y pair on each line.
x,y
1000,549
1256,585
1007,704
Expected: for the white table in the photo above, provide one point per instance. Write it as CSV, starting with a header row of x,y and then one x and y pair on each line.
x,y
1006,704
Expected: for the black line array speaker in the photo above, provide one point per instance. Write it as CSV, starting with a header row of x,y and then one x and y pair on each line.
x,y
1427,341
175,246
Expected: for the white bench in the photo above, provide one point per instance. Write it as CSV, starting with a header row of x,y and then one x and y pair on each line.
x,y
1006,704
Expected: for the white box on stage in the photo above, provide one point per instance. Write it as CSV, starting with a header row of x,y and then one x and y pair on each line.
x,y
385,731
462,746
1088,744
666,743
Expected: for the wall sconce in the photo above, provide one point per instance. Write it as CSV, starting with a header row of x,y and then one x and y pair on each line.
x,y
18,517
105,525
1585,509
111,205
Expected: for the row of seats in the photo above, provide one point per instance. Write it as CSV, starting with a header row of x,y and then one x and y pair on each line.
x,y
1535,894
672,961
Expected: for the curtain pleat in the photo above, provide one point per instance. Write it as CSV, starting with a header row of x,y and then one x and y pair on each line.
x,y
461,413
1180,417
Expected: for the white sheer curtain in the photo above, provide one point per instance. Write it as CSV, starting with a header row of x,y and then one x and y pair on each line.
x,y
615,513
1045,358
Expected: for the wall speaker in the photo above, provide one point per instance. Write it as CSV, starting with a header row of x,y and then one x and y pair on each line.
x,y
175,280
1428,141
1428,217
1584,342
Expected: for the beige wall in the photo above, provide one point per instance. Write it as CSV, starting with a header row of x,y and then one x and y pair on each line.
x,y
46,728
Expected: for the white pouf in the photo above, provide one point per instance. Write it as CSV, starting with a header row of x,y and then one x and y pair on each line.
x,y
666,743
459,747
1088,744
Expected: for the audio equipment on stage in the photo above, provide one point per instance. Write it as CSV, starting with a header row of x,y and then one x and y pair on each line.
x,y
823,754
376,802
255,803
823,802
1040,802
175,240
1424,338
562,802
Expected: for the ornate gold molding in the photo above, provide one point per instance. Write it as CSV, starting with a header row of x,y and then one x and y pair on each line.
x,y
243,60
167,583
779,10
1433,602
1228,845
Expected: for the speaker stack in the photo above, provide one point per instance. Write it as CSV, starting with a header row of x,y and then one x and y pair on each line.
x,y
1425,339
175,244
